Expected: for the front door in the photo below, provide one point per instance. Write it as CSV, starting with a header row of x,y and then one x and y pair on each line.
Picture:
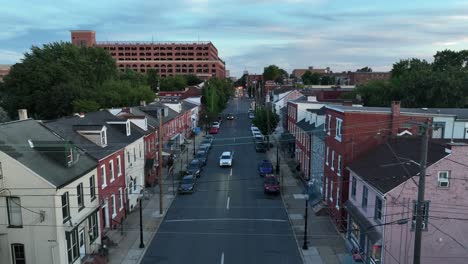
x,y
82,244
105,215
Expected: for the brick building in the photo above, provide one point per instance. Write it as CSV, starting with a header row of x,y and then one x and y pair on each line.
x,y
359,78
4,70
199,58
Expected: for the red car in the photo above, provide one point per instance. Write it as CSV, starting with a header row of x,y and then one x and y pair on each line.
x,y
214,130
271,184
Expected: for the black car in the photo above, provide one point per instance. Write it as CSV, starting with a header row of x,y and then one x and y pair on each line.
x,y
194,168
230,116
204,148
265,167
202,156
187,185
260,147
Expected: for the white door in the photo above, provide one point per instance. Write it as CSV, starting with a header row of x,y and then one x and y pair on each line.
x,y
82,244
106,214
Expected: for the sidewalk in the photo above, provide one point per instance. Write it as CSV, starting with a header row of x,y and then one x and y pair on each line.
x,y
325,243
126,249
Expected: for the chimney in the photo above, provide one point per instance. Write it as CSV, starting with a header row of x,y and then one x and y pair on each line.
x,y
23,114
395,117
142,103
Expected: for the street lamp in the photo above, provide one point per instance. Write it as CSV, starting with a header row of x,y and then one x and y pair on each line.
x,y
206,125
306,197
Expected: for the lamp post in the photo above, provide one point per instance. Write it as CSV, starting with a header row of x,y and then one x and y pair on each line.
x,y
306,196
142,245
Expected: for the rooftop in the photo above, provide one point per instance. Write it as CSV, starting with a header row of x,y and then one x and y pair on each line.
x,y
460,113
381,169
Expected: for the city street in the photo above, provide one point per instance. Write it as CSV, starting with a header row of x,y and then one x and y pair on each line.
x,y
228,219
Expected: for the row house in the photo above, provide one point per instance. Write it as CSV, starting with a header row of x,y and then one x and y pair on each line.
x,y
382,204
118,147
353,131
49,199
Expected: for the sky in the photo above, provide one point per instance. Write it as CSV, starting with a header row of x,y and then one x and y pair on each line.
x,y
252,34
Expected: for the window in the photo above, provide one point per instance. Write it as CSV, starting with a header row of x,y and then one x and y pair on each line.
x,y
333,160
92,188
114,210
130,187
353,187
337,197
80,196
139,149
128,156
355,231
378,209
103,138
328,152
119,166
338,166
93,227
1,171
443,179
65,207
72,245
329,125
15,219
425,215
127,126
70,157
134,184
17,253
331,190
326,188
120,199
338,129
111,171
103,177
134,154
364,197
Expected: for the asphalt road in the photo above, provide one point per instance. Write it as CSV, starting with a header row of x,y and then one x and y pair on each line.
x,y
228,219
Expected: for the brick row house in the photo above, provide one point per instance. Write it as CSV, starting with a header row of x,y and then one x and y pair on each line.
x,y
48,198
383,194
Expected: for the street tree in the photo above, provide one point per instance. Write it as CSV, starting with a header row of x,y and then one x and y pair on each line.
x,y
365,69
274,73
309,78
266,120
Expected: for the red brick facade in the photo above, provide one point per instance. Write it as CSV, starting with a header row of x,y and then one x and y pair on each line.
x,y
359,78
168,58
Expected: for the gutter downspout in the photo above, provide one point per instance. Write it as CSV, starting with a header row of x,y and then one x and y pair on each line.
x,y
453,129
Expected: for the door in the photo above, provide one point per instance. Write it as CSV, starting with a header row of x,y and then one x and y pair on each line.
x,y
105,215
82,244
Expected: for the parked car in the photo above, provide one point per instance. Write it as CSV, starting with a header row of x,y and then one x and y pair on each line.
x,y
194,168
260,147
187,185
216,124
251,115
206,142
202,156
210,138
204,148
214,130
271,184
230,116
257,135
226,159
259,138
265,167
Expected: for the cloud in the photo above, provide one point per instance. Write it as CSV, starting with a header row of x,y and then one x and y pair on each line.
x,y
10,56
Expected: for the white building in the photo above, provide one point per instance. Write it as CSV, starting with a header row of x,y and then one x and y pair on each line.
x,y
48,197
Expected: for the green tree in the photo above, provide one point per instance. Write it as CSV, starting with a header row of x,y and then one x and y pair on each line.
x,y
274,73
309,78
192,80
173,83
365,69
215,95
327,80
3,116
152,78
266,120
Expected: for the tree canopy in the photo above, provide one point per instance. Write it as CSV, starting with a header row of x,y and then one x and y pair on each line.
x,y
309,78
215,95
274,73
418,83
59,78
266,120
365,69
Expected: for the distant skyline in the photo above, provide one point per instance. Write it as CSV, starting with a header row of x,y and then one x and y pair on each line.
x,y
252,34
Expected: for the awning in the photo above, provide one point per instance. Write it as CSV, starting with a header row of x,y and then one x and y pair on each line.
x,y
368,228
149,163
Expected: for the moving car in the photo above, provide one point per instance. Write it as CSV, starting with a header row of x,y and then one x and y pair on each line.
x,y
202,156
214,130
271,184
265,167
216,124
230,116
187,185
194,168
226,159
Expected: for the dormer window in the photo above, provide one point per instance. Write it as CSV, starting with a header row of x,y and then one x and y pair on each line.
x,y
70,157
128,128
104,137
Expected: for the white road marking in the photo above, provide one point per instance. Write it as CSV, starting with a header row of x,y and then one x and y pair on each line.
x,y
222,258
230,173
227,204
227,219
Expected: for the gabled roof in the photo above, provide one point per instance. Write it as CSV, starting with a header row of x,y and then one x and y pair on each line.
x,y
43,152
116,134
186,106
382,170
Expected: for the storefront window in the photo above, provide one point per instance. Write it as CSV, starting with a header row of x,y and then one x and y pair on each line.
x,y
376,254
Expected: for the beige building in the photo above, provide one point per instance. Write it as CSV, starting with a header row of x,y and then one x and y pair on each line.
x,y
4,70
48,197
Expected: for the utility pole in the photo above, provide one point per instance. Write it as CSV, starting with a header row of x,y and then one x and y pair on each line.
x,y
160,163
421,186
142,244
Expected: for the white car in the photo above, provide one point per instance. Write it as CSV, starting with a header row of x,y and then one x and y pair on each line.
x,y
226,159
255,129
215,124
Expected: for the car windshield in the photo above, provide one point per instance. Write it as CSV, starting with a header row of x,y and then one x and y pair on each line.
x,y
267,165
187,181
193,164
271,180
226,157
200,155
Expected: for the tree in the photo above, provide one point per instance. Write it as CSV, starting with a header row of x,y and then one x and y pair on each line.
x,y
274,73
365,69
173,83
309,78
327,80
3,116
152,78
192,80
266,120
215,95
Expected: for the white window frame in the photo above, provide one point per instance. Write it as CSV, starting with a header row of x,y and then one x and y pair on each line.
x,y
378,219
329,125
103,135
134,154
119,166
331,191
337,197
121,199
92,187
66,206
14,250
111,171
328,153
333,161
72,240
69,157
103,176
80,196
442,180
367,197
114,206
339,123
15,215
338,166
